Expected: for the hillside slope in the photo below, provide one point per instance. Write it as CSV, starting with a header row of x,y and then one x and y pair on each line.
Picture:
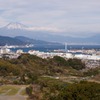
x,y
10,41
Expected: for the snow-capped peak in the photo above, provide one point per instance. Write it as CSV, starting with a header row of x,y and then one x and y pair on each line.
x,y
19,26
16,26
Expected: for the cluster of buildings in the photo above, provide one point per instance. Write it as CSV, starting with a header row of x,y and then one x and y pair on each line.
x,y
80,54
68,54
7,53
50,54
91,57
91,60
92,63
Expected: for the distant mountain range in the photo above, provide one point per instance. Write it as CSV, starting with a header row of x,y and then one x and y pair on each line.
x,y
21,40
10,41
18,29
36,42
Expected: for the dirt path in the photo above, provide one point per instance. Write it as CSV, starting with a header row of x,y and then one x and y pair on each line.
x,y
18,96
6,92
20,90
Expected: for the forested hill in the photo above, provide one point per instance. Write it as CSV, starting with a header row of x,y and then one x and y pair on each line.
x,y
21,40
10,41
35,41
29,64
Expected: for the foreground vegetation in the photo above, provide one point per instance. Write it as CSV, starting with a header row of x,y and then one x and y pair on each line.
x,y
51,89
50,79
28,68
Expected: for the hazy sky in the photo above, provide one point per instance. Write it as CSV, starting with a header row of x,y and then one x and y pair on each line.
x,y
63,16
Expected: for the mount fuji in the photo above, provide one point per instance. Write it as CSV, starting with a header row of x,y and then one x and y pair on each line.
x,y
15,26
18,29
18,34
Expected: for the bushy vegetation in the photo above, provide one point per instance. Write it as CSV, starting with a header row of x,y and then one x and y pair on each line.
x,y
76,64
40,73
6,68
29,90
27,67
59,61
80,91
51,89
92,72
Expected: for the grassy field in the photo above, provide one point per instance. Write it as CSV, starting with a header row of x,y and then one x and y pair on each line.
x,y
23,92
11,90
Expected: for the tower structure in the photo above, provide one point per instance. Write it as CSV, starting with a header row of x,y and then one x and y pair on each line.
x,y
66,49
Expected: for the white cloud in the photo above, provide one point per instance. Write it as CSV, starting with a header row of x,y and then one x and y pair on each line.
x,y
69,16
50,29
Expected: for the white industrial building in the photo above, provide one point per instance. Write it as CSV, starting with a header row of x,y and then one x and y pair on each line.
x,y
4,50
